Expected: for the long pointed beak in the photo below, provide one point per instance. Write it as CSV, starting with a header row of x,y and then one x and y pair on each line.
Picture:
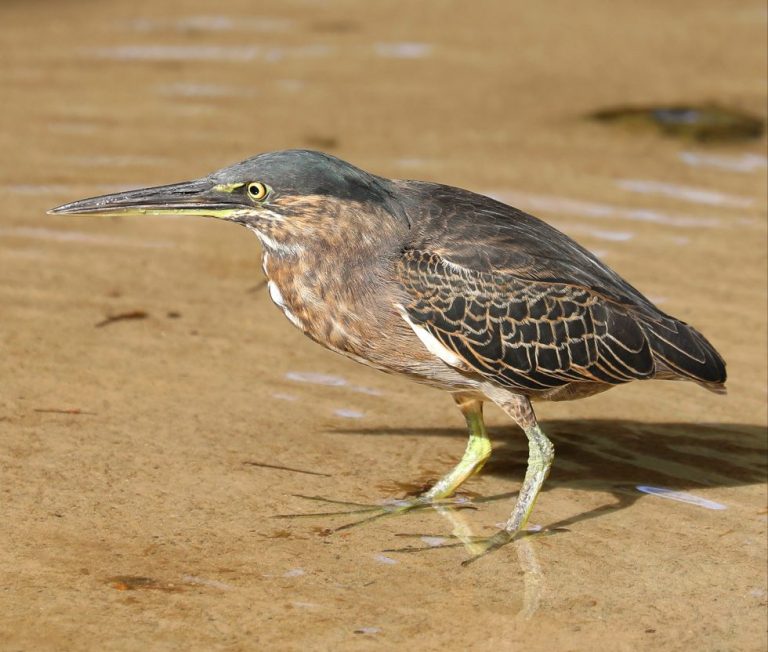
x,y
200,197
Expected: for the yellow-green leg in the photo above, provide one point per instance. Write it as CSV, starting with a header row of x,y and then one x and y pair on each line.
x,y
475,456
541,453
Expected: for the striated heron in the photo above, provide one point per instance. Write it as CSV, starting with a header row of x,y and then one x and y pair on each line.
x,y
450,288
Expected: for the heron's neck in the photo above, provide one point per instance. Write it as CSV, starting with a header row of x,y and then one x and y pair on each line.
x,y
332,285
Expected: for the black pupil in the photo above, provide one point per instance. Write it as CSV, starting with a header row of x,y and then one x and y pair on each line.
x,y
255,189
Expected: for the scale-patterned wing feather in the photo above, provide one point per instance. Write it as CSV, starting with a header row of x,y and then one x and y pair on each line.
x,y
523,334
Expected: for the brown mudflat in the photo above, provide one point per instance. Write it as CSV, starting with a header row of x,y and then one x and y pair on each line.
x,y
158,410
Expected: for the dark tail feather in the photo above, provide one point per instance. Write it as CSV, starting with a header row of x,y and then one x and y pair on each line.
x,y
718,388
687,353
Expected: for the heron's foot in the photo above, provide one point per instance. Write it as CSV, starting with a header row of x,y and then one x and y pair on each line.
x,y
371,512
484,546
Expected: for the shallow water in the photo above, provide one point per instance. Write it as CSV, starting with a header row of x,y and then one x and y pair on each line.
x,y
142,463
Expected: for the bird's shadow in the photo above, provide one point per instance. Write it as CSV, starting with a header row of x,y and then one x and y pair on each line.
x,y
618,456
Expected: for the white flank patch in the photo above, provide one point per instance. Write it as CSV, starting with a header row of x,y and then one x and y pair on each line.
x,y
435,347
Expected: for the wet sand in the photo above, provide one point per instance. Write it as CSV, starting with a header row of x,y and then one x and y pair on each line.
x,y
136,513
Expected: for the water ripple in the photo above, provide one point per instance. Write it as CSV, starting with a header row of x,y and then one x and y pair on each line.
x,y
228,53
595,210
686,193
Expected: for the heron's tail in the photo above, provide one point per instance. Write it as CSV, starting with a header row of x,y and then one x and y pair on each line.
x,y
685,352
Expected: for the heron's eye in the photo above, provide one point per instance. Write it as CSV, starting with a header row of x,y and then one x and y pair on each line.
x,y
257,191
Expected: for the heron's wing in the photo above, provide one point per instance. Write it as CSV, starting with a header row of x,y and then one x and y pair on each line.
x,y
525,334
533,262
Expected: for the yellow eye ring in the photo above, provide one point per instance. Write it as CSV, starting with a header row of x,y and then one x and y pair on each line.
x,y
257,191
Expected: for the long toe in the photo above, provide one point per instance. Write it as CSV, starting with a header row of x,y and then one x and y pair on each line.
x,y
374,512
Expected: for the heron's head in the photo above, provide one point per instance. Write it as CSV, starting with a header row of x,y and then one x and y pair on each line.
x,y
294,193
